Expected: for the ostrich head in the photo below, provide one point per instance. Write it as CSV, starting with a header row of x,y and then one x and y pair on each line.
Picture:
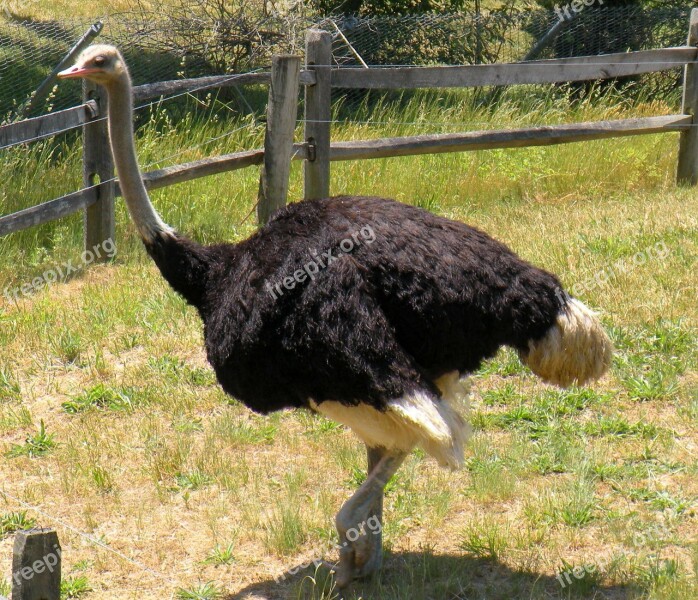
x,y
100,63
105,66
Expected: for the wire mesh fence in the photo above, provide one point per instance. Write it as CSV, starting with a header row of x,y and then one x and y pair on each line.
x,y
509,36
29,50
503,36
159,47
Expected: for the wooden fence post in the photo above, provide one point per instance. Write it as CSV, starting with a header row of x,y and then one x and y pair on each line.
x,y
98,167
282,111
318,114
42,91
687,171
36,565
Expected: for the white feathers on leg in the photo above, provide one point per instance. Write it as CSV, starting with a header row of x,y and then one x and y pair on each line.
x,y
417,419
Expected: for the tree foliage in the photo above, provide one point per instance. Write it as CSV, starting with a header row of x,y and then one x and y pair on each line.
x,y
229,34
389,7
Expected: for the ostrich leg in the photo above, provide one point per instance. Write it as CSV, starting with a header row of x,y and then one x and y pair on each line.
x,y
361,549
374,562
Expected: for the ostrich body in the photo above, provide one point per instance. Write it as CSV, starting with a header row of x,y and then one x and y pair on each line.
x,y
364,309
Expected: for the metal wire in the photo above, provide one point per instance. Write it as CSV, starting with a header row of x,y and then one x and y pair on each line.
x,y
458,38
29,49
89,538
501,36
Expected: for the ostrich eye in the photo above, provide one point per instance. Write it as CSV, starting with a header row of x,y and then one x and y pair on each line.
x,y
99,61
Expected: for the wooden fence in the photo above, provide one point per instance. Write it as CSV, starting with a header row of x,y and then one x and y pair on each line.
x,y
318,78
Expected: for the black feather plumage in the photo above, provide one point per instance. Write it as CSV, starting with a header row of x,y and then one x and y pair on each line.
x,y
419,297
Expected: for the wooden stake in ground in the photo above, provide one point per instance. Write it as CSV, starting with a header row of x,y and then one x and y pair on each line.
x,y
36,565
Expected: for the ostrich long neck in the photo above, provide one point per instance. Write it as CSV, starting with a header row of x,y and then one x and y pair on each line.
x,y
183,263
144,215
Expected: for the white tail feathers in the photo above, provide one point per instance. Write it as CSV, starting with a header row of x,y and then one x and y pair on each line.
x,y
574,351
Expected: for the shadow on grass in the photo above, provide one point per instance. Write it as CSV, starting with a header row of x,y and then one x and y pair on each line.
x,y
424,575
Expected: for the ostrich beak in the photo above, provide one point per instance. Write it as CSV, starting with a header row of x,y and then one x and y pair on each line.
x,y
75,72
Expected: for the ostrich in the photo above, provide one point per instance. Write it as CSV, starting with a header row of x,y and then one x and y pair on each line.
x,y
363,309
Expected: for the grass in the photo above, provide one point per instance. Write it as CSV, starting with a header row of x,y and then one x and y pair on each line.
x,y
74,587
9,387
15,521
58,9
51,9
99,396
115,424
206,591
221,555
487,539
35,445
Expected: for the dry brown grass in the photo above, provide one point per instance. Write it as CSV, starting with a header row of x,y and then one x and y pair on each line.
x,y
61,9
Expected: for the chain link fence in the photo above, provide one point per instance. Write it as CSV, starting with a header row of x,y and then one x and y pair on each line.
x,y
157,51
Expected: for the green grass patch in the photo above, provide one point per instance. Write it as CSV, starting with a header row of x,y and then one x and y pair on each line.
x,y
37,445
15,521
99,397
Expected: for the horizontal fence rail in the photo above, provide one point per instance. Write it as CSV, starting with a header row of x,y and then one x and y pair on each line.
x,y
47,125
149,91
199,84
561,70
363,150
48,211
76,201
200,168
512,138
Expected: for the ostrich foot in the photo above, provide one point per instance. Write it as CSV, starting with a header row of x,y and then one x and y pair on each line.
x,y
360,550
359,522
